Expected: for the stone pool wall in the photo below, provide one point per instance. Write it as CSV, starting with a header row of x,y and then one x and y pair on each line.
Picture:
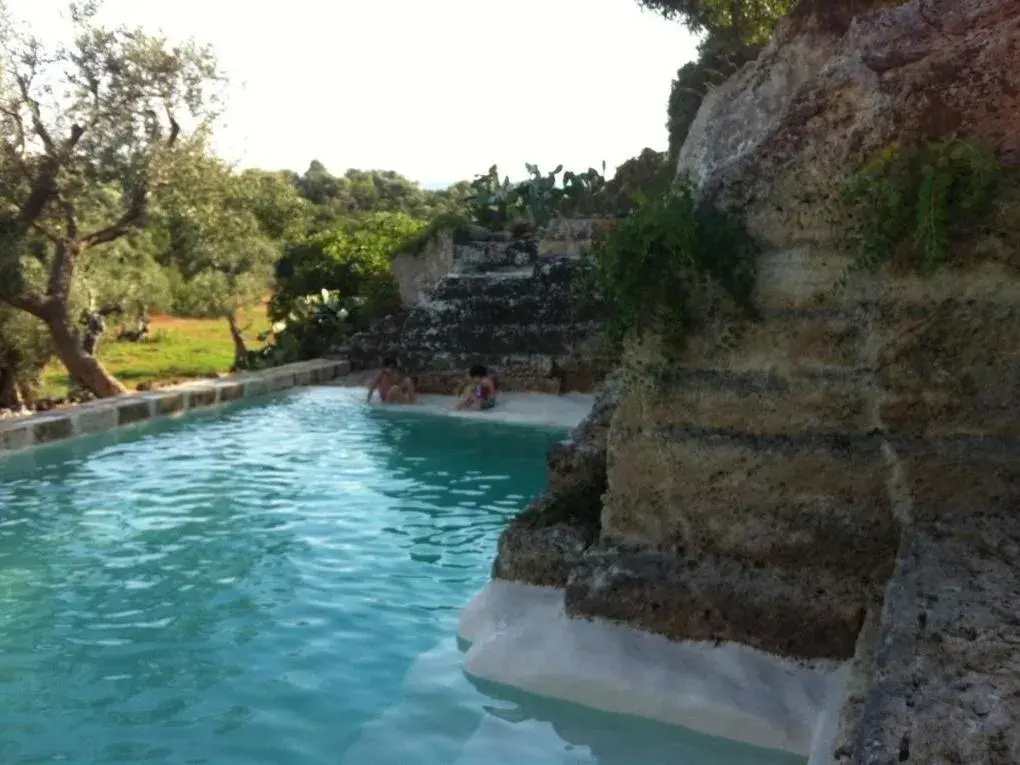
x,y
106,414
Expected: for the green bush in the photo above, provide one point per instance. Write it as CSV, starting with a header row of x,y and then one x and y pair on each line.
x,y
456,223
353,260
916,202
25,348
673,264
314,326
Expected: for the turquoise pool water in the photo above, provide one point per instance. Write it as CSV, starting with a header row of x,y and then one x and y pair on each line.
x,y
277,585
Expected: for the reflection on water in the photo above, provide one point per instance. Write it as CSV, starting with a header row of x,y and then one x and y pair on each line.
x,y
617,739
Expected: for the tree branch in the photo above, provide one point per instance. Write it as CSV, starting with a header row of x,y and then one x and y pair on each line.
x,y
45,186
65,253
136,216
39,307
70,218
33,106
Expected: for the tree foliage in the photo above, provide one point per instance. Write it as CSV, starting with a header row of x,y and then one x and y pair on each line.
x,y
743,21
335,199
84,131
215,240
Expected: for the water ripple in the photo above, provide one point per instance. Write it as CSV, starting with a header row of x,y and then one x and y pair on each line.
x,y
267,585
247,586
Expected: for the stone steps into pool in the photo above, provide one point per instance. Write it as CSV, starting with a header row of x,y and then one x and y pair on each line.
x,y
20,433
518,314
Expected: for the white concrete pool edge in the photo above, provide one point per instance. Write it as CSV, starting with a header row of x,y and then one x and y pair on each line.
x,y
565,410
521,636
23,433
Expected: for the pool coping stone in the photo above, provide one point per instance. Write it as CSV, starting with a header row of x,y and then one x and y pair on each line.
x,y
18,434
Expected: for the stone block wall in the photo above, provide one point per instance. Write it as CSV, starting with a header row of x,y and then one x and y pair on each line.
x,y
17,434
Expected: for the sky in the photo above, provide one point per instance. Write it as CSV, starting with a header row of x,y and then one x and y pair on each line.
x,y
437,90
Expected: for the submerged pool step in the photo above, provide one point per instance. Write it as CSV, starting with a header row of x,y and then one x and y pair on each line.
x,y
425,711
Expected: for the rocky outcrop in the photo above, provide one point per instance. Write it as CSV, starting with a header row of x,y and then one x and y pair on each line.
x,y
499,303
842,482
547,541
418,273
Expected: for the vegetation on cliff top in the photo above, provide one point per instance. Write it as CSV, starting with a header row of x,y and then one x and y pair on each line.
x,y
734,33
673,265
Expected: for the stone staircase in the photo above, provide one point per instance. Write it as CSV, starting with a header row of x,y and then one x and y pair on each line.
x,y
504,305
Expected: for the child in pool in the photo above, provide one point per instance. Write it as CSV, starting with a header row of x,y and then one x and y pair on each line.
x,y
482,394
393,386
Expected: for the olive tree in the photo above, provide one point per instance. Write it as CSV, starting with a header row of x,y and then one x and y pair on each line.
x,y
214,238
78,121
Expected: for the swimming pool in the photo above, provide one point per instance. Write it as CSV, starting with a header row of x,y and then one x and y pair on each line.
x,y
278,584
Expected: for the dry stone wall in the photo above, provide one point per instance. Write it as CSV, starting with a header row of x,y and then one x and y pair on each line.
x,y
509,304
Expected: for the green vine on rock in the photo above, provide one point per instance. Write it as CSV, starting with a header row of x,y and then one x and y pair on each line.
x,y
673,265
917,202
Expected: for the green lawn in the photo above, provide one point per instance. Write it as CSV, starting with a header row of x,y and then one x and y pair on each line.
x,y
180,350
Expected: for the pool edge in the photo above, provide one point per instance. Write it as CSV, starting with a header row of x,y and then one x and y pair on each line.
x,y
519,635
20,434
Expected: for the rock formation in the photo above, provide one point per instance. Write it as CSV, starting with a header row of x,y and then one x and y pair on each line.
x,y
511,304
843,483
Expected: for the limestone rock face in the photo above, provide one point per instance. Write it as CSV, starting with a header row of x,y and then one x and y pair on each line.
x,y
496,303
417,274
820,100
546,543
853,459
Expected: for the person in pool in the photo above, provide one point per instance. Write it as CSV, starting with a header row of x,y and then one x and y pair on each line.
x,y
393,386
482,391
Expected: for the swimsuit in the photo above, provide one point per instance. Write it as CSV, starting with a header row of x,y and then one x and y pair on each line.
x,y
487,401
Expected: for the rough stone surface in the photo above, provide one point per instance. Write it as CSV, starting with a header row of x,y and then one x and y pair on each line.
x,y
819,101
133,411
851,459
417,274
946,673
53,428
543,544
498,303
569,237
540,555
705,597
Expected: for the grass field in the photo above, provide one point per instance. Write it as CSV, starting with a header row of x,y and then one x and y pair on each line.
x,y
180,349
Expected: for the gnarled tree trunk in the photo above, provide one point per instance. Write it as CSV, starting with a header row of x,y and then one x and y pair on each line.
x,y
240,349
81,365
9,398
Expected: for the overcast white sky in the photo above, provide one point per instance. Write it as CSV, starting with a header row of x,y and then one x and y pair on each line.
x,y
435,89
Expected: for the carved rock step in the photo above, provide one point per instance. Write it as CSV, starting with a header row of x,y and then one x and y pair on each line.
x,y
486,340
494,312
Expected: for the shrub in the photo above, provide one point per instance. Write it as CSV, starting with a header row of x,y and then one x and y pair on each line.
x,y
25,348
456,223
353,260
673,264
916,202
315,325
